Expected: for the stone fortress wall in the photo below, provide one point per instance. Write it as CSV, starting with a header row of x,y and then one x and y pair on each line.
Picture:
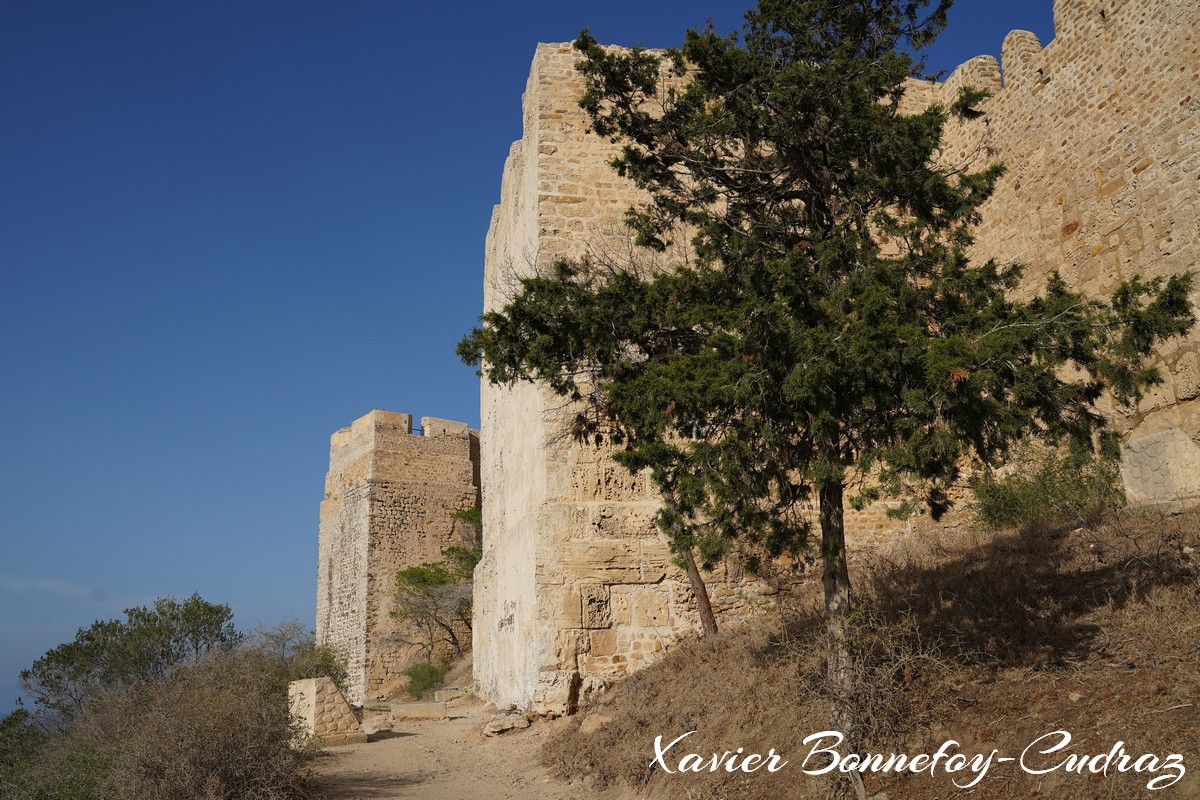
x,y
1100,133
389,502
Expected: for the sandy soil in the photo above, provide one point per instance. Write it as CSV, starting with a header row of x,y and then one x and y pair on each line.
x,y
446,760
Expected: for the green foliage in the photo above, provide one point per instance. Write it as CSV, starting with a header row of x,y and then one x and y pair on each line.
x,y
20,738
433,601
57,771
1047,488
146,645
178,631
831,331
461,562
423,677
471,516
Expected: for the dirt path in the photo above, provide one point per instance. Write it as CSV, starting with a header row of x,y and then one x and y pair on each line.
x,y
444,760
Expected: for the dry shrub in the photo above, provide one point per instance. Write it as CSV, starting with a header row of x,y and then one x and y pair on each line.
x,y
1091,631
216,730
1025,598
756,687
735,690
960,633
898,668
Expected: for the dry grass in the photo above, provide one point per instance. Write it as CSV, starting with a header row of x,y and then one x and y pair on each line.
x,y
991,639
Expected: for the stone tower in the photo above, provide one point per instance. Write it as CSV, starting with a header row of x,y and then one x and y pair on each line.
x,y
390,497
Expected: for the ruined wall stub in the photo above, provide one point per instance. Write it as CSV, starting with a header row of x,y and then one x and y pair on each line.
x,y
1100,134
322,714
389,502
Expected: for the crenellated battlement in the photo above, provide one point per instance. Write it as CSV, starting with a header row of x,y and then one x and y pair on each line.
x,y
1085,19
1090,38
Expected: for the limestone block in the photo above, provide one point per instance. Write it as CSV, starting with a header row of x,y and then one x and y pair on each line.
x,y
655,561
597,612
1161,467
1187,377
1158,421
620,600
605,480
1189,419
424,710
565,650
1159,396
448,694
559,605
651,608
563,520
603,643
302,703
556,692
432,426
591,688
591,561
505,721
623,520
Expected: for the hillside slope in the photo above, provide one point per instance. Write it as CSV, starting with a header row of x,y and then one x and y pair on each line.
x,y
989,639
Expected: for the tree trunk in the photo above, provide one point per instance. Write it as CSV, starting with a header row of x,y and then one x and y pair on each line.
x,y
708,622
836,579
451,637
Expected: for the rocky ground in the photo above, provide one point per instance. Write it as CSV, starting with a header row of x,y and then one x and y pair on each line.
x,y
447,759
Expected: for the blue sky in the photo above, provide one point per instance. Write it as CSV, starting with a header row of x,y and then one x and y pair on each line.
x,y
228,229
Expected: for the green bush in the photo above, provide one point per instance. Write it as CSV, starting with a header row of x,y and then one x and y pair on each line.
x,y
146,645
1050,488
471,516
424,676
20,738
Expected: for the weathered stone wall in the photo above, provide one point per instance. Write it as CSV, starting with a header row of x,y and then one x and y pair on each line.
x,y
1100,132
1100,135
389,502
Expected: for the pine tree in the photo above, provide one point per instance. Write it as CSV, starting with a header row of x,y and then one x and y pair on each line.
x,y
831,337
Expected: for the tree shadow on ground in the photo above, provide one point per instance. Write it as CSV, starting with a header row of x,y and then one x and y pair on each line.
x,y
361,787
1023,598
380,736
1020,598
